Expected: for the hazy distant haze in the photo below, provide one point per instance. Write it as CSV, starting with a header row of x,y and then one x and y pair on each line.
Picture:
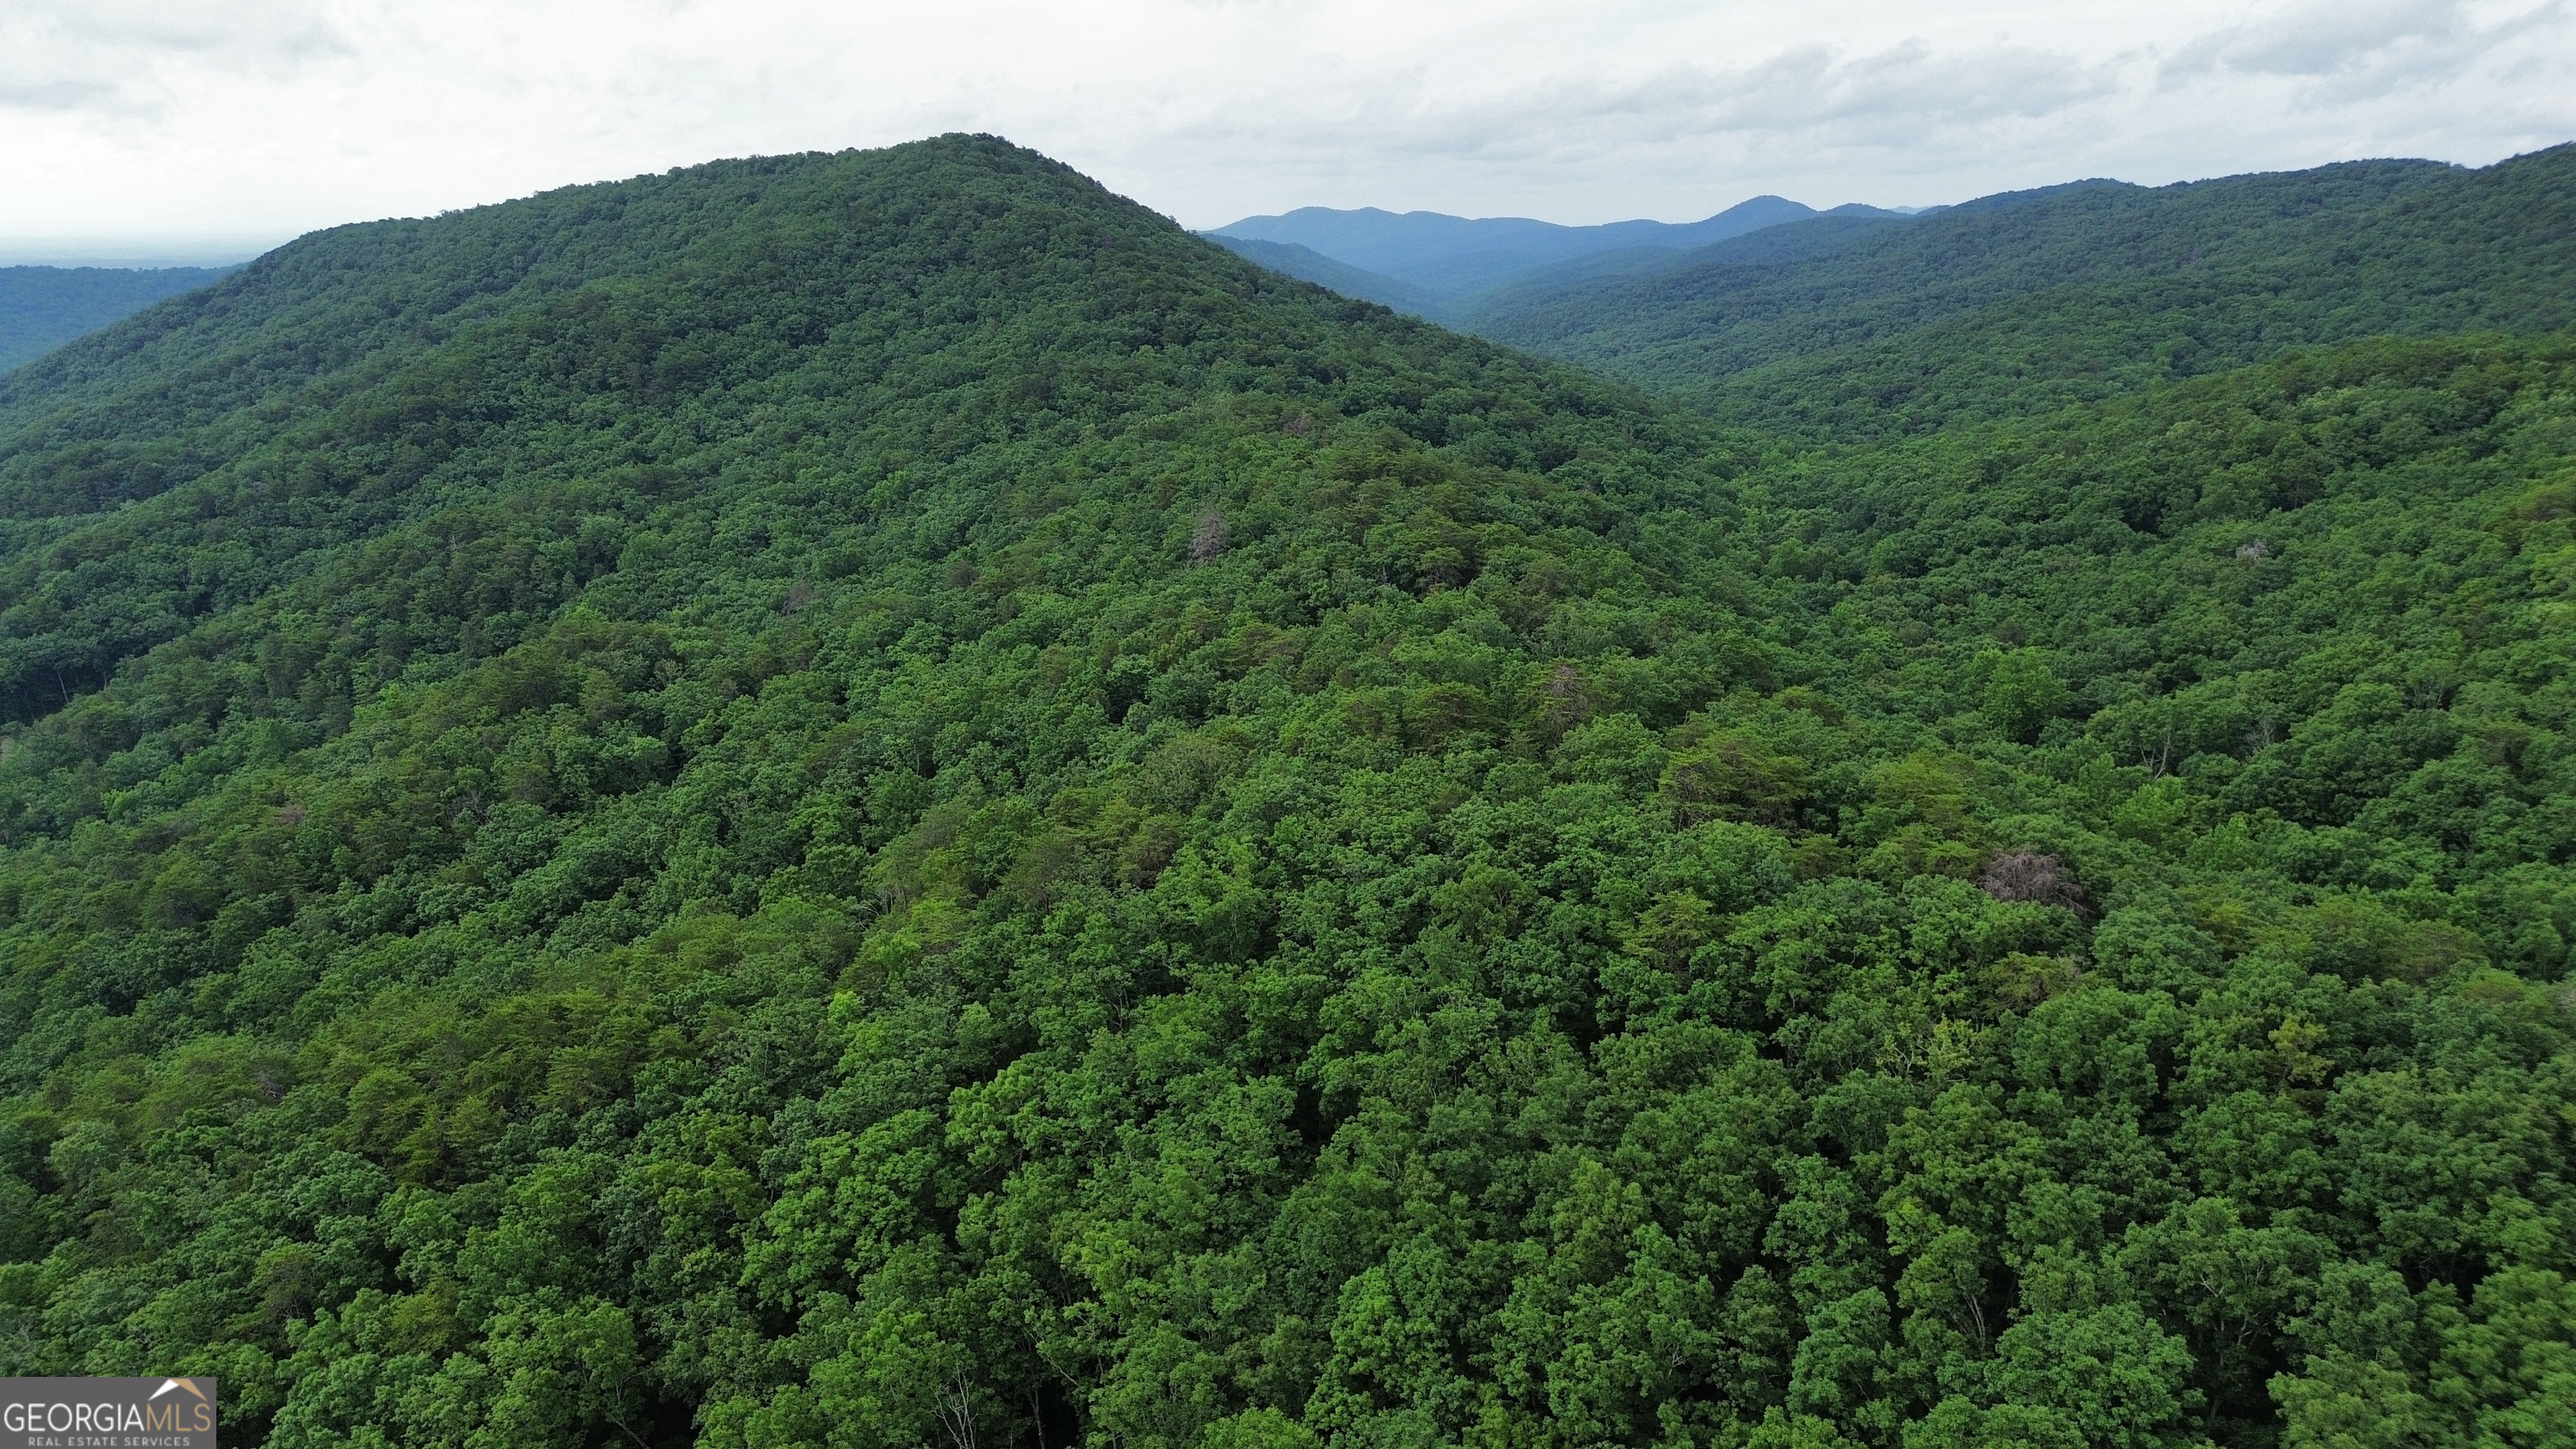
x,y
121,119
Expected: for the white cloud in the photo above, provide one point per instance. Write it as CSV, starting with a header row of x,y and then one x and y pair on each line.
x,y
137,118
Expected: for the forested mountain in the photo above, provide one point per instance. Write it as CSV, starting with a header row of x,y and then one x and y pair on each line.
x,y
1542,288
1549,284
2019,304
876,800
1453,258
41,308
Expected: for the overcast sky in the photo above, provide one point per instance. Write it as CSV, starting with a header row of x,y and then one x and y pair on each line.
x,y
143,127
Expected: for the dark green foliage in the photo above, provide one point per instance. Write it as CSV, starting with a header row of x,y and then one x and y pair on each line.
x,y
875,800
2015,305
41,308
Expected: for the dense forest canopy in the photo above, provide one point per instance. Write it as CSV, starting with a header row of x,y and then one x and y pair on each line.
x,y
877,800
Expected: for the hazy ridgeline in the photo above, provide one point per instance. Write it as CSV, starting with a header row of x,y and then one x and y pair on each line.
x,y
41,308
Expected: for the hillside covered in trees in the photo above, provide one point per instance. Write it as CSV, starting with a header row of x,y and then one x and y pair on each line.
x,y
2025,302
876,800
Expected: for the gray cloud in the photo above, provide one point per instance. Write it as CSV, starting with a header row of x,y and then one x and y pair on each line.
x,y
290,113
1810,97
111,56
2355,49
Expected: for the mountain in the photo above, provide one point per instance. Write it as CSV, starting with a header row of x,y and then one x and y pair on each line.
x,y
1455,256
41,308
875,799
1579,282
2023,303
1308,265
1563,283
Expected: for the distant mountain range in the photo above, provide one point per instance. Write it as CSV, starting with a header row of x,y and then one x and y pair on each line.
x,y
1303,262
2024,302
1862,320
1436,260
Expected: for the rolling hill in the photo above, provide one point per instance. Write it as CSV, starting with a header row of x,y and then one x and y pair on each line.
x,y
1545,287
2022,304
874,799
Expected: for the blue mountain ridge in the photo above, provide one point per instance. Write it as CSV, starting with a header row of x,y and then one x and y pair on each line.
x,y
1453,256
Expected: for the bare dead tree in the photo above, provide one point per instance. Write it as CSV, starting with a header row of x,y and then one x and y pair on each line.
x,y
957,1411
1208,541
2028,875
